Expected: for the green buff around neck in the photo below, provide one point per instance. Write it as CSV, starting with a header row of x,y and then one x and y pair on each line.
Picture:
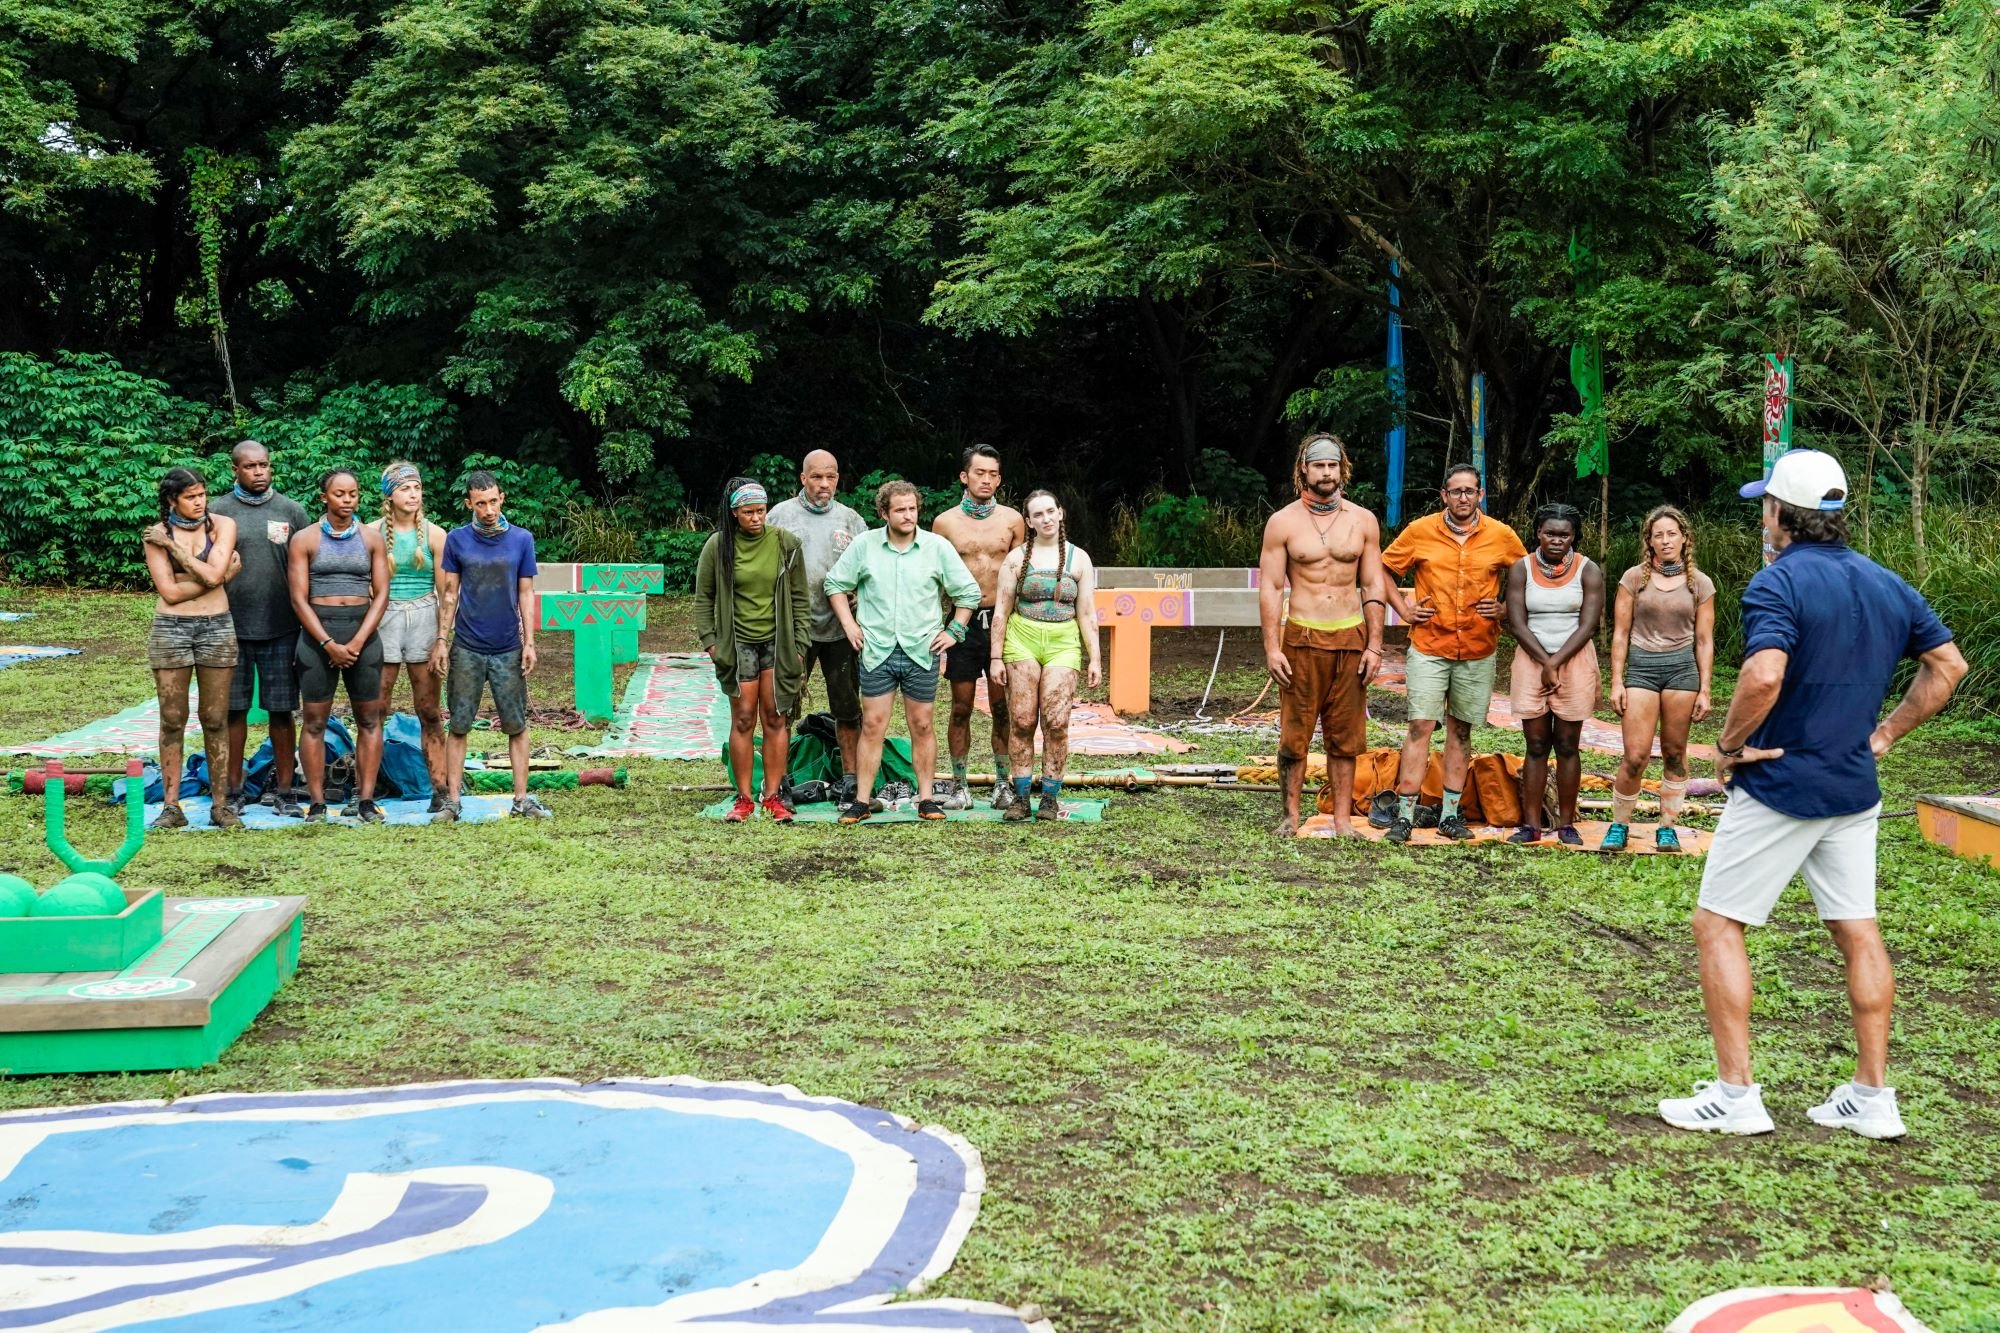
x,y
975,508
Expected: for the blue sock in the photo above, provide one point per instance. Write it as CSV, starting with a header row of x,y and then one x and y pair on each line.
x,y
1406,807
1052,788
1021,785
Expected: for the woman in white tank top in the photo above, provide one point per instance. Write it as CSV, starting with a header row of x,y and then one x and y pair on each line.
x,y
1555,599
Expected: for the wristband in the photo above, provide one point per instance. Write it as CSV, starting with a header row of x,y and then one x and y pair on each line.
x,y
1736,753
956,629
324,642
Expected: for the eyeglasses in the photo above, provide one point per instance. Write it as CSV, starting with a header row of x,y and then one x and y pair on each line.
x,y
1461,492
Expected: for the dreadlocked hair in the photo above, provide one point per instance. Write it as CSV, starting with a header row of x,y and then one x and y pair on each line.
x,y
726,528
1680,519
1028,546
388,527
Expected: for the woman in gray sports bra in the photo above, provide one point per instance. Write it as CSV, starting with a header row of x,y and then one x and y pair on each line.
x,y
340,588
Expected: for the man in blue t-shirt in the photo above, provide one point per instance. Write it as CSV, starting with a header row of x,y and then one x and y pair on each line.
x,y
1824,629
488,576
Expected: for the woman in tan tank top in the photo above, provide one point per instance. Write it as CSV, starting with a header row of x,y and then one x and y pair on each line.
x,y
1662,650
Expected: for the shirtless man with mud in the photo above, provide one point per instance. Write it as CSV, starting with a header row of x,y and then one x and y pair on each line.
x,y
1328,644
984,533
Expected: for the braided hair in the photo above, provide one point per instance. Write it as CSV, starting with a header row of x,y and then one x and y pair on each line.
x,y
1559,513
1680,519
726,529
1028,546
389,511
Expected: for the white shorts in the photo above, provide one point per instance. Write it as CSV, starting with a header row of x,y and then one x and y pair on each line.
x,y
409,630
1757,850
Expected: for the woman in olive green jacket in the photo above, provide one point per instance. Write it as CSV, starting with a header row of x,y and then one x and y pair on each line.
x,y
753,611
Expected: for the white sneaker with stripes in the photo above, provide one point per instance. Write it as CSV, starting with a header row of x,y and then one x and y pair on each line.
x,y
1871,1117
1714,1110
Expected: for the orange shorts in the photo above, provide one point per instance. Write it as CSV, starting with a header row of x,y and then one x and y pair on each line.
x,y
1576,693
1326,692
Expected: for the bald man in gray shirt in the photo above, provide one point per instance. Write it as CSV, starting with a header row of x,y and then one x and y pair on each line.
x,y
824,527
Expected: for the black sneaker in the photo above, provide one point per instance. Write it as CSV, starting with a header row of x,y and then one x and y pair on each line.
x,y
929,810
1524,835
854,812
1400,829
437,801
1453,826
170,816
1017,812
1382,810
1427,816
370,813
352,810
285,805
446,813
848,786
316,813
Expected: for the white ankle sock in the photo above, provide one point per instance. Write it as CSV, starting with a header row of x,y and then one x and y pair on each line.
x,y
1863,1091
1622,804
1733,1090
1673,795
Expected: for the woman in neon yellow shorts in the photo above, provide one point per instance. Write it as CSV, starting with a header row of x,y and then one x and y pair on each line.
x,y
1044,633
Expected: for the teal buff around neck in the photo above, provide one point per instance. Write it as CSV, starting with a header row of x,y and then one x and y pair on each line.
x,y
254,497
812,508
352,530
185,524
976,509
491,531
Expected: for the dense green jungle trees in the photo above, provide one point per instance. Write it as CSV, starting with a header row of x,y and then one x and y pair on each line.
x,y
1136,243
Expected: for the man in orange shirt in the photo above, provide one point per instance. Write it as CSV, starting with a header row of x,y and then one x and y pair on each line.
x,y
1459,558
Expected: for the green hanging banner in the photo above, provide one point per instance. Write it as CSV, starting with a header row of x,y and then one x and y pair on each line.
x,y
1777,408
1586,372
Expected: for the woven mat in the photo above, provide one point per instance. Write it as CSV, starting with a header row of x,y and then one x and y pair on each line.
x,y
1082,811
134,731
1694,842
672,709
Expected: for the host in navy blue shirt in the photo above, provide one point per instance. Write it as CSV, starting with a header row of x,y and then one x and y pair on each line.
x,y
1824,631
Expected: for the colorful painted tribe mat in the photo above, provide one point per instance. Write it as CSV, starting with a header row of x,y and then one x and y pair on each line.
x,y
1798,1310
826,812
502,1205
1601,737
1693,842
1094,729
136,730
13,654
671,709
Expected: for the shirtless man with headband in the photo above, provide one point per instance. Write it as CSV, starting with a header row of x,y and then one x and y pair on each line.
x,y
984,532
1328,643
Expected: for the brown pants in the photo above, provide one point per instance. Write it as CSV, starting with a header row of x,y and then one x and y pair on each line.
x,y
1326,691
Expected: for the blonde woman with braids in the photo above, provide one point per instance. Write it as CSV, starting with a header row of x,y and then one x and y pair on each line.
x,y
1662,650
413,628
1044,633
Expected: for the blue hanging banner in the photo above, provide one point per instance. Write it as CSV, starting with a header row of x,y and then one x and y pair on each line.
x,y
1392,481
1479,429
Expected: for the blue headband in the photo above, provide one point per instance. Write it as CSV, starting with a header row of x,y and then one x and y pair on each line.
x,y
391,480
748,494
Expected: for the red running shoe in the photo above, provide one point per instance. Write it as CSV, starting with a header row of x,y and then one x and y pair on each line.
x,y
742,810
775,807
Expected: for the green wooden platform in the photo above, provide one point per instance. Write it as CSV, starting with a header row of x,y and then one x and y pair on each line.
x,y
177,1006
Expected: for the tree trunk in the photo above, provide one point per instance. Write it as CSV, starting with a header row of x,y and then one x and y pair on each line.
x,y
1168,358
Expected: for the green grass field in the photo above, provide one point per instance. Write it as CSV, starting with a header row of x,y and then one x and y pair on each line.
x,y
1219,1081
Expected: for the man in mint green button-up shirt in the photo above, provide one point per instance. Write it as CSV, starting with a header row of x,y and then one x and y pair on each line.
x,y
888,591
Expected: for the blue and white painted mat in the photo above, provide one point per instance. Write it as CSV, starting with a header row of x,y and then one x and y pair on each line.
x,y
535,1204
471,810
12,653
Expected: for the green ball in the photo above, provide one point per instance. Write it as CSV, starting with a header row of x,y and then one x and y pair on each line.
x,y
108,893
71,899
17,896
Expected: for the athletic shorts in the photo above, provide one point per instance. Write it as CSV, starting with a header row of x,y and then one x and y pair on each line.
x,y
318,676
471,672
969,660
1326,692
1660,672
409,630
840,666
1047,643
1438,685
1757,850
267,671
916,680
754,659
1575,696
177,642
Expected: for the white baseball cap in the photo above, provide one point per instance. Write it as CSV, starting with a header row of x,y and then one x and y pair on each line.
x,y
1805,478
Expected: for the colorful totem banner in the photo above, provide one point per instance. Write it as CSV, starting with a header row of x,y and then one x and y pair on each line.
x,y
1586,372
1777,408
1478,415
1394,440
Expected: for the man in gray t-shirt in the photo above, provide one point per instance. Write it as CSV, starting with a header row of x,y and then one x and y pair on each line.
x,y
824,527
267,629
